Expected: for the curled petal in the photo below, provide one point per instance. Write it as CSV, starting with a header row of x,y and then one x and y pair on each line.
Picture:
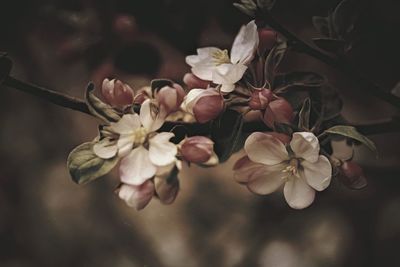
x,y
151,119
266,149
305,145
136,168
298,193
105,149
228,75
161,150
318,174
137,196
244,168
126,125
245,44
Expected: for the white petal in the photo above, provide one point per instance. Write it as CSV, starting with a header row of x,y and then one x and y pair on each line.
x,y
298,193
190,100
202,53
136,168
105,149
150,120
341,150
266,149
245,44
127,124
305,145
125,144
161,150
267,179
204,69
318,174
227,88
244,168
137,196
228,73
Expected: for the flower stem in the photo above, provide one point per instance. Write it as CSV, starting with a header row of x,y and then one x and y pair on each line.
x,y
340,64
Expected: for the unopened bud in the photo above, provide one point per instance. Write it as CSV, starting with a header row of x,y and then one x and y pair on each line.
x,y
353,175
267,39
170,98
192,81
278,111
197,149
137,196
260,99
204,105
116,93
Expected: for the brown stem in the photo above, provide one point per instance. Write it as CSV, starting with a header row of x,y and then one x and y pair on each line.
x,y
339,63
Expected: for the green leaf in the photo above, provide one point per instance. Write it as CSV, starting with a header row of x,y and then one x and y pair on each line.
x,y
286,81
157,84
98,108
351,132
330,45
304,115
245,10
226,132
5,66
273,60
84,166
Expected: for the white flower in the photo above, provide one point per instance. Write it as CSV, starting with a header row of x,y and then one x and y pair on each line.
x,y
142,150
214,64
137,196
269,164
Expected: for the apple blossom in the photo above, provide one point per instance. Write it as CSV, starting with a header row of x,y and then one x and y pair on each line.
x,y
279,111
204,105
142,149
270,164
137,196
260,99
116,93
197,149
170,98
214,64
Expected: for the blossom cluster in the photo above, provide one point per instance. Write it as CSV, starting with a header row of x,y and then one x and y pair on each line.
x,y
286,152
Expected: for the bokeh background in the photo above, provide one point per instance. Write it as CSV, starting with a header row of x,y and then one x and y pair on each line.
x,y
47,220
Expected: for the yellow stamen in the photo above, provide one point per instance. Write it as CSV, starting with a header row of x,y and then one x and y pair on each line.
x,y
221,57
139,136
292,169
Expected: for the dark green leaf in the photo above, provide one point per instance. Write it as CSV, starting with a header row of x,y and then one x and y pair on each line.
x,y
5,66
304,115
84,166
351,132
98,108
334,46
245,10
294,80
226,132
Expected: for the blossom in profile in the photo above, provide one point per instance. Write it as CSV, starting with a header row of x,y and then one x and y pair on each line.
x,y
216,65
297,165
117,93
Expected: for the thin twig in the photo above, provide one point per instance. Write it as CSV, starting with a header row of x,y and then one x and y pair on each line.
x,y
340,64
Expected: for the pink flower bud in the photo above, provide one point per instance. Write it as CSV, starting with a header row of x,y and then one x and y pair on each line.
x,y
140,98
207,105
267,39
197,149
192,81
279,111
353,175
166,190
116,93
137,196
170,98
260,99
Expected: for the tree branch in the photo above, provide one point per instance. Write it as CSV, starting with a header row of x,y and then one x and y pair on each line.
x,y
335,62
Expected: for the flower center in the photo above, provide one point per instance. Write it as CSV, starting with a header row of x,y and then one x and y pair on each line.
x,y
139,136
292,169
221,57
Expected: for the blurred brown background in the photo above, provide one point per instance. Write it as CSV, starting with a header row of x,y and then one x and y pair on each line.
x,y
47,220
